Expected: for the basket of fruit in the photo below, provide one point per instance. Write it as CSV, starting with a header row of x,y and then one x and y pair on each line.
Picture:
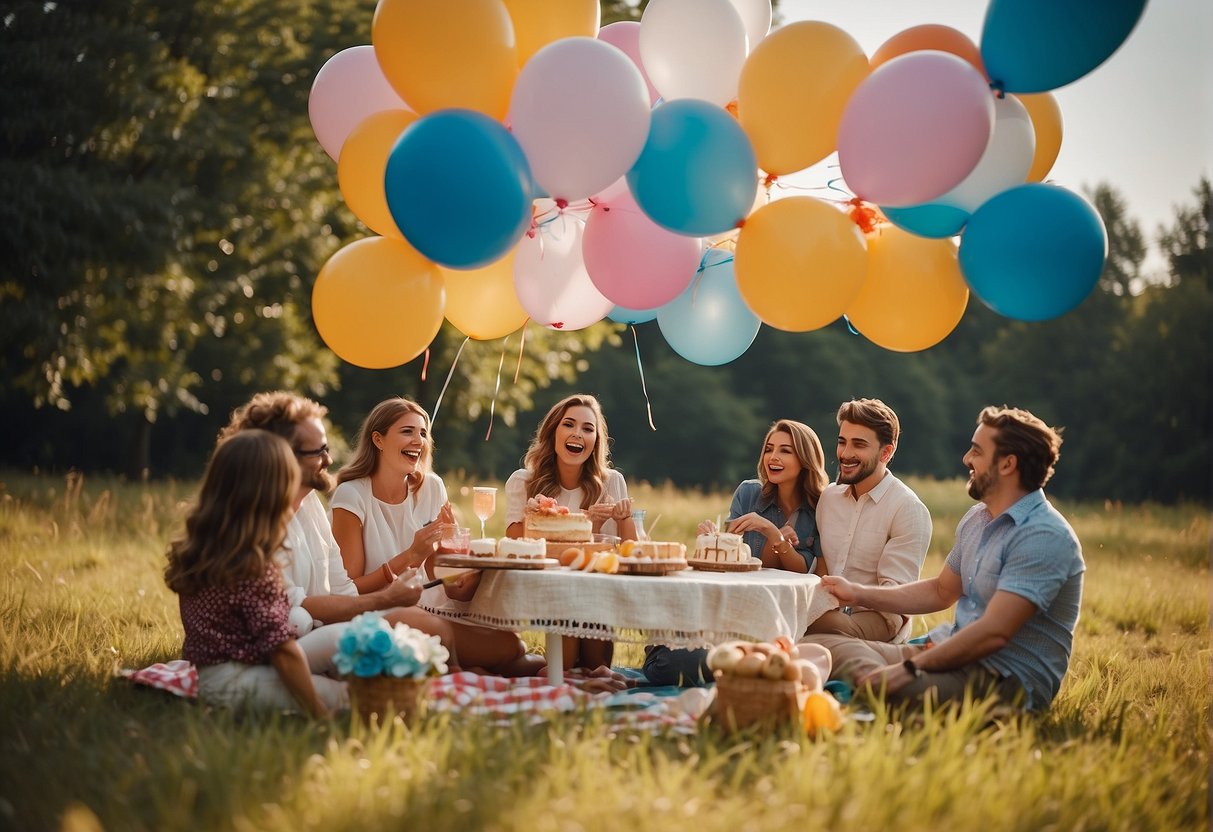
x,y
763,683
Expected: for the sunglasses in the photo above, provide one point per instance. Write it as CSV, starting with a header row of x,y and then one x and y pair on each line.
x,y
321,451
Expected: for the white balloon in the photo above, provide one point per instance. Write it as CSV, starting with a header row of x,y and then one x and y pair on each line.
x,y
756,15
1006,162
580,110
693,48
550,277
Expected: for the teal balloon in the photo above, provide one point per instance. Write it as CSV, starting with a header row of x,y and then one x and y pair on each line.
x,y
1033,252
459,188
623,315
709,323
929,220
1040,45
697,174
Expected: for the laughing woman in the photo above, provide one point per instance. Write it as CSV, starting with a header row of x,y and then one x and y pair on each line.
x,y
569,461
388,512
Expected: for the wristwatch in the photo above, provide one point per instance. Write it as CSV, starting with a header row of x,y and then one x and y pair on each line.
x,y
911,668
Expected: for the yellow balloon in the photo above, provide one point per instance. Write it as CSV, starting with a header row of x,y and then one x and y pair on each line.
x,y
450,53
482,303
1046,121
799,263
914,294
377,303
361,165
792,91
539,22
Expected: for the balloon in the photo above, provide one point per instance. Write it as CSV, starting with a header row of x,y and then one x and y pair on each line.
x,y
756,17
361,164
693,48
459,188
625,36
441,55
1040,45
709,323
792,92
540,22
697,173
551,280
348,88
1034,252
929,36
482,303
377,303
1006,161
914,129
913,295
929,220
580,111
800,263
623,315
1046,123
632,260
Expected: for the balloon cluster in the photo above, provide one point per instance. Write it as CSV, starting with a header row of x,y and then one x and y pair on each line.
x,y
519,162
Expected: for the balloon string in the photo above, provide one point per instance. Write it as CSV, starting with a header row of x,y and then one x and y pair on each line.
x,y
496,389
445,384
425,364
647,404
850,325
521,347
699,272
830,186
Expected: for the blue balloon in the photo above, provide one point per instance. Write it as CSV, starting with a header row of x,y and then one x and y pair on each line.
x,y
623,315
709,323
459,188
697,173
928,220
1040,45
1033,252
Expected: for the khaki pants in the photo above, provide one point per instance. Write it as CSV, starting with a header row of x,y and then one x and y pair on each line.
x,y
868,625
855,657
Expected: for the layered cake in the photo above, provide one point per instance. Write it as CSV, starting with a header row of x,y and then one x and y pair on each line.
x,y
483,547
522,548
654,550
545,518
722,547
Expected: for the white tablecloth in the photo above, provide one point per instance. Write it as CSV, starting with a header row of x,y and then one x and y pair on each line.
x,y
685,609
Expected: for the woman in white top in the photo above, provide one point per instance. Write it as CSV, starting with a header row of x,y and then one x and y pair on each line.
x,y
388,512
569,460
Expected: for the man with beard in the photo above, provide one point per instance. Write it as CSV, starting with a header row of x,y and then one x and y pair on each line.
x,y
874,530
1015,575
317,585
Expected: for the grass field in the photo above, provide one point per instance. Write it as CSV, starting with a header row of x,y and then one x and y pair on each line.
x,y
1125,746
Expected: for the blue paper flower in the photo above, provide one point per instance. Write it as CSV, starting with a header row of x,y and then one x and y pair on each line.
x,y
371,647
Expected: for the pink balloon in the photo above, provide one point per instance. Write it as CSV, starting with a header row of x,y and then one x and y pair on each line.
x,y
633,261
625,36
348,88
915,128
550,277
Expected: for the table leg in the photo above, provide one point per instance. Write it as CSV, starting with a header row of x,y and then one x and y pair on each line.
x,y
555,657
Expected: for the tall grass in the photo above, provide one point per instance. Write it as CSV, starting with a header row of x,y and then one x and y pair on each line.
x,y
1124,747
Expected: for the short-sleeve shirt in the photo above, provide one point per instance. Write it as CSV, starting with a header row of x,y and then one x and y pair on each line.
x,y
748,498
615,489
312,564
388,528
1032,551
243,622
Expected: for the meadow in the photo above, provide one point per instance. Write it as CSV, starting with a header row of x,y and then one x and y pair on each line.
x,y
1124,747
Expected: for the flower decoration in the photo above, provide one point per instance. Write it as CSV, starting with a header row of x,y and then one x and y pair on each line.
x,y
372,647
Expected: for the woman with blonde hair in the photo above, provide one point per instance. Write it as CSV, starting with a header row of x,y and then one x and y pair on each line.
x,y
234,608
569,460
389,511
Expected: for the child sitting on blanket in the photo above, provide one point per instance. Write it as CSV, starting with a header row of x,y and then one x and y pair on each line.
x,y
233,606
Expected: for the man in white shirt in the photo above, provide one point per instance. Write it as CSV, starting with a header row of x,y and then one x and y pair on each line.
x,y
874,530
317,585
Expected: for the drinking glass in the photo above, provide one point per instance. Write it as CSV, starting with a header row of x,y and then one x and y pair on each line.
x,y
455,540
484,504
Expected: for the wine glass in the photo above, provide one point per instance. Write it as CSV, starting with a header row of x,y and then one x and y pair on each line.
x,y
484,504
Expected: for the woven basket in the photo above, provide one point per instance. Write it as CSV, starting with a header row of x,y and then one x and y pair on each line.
x,y
387,696
741,702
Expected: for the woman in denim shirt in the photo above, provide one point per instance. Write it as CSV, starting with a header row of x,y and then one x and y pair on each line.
x,y
776,515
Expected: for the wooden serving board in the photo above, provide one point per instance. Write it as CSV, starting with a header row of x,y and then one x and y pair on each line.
x,y
651,567
752,565
476,562
556,548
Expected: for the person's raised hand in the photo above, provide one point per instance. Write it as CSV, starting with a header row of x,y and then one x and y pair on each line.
x,y
405,591
622,510
789,534
706,527
842,589
754,522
